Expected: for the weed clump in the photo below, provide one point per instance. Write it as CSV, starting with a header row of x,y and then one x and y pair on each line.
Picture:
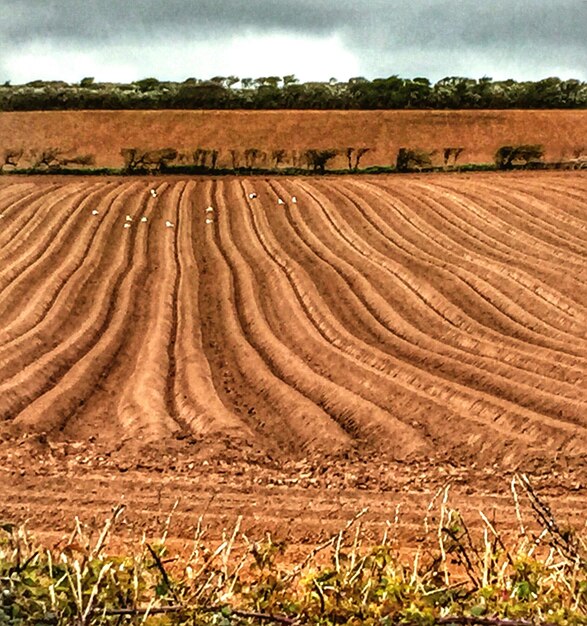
x,y
458,576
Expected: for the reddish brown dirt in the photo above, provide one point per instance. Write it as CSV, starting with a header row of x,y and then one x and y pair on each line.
x,y
292,362
480,133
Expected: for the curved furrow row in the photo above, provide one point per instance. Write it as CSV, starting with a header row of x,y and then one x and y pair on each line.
x,y
69,263
566,290
19,211
44,257
428,353
51,386
196,399
524,209
285,419
454,395
377,376
569,200
118,350
41,236
514,284
34,223
423,305
509,223
10,194
52,312
407,244
461,224
145,408
287,311
482,300
563,232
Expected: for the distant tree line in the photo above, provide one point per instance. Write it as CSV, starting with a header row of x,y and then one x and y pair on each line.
x,y
286,92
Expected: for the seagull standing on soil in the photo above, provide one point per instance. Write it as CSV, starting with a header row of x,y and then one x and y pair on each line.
x,y
253,195
126,225
153,193
168,224
143,219
94,212
294,199
128,218
209,209
280,201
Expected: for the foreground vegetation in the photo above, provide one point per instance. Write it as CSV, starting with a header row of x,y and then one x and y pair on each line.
x,y
457,577
277,92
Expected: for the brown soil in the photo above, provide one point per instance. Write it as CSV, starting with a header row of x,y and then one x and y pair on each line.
x,y
292,362
480,133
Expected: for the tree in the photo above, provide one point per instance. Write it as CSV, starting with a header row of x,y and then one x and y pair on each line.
x,y
200,157
137,160
317,159
507,157
451,156
277,156
235,157
88,81
409,160
251,156
358,154
147,84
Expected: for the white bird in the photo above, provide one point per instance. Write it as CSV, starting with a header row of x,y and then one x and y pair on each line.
x,y
94,212
252,195
128,218
153,193
209,209
280,201
127,225
209,220
294,199
143,219
168,224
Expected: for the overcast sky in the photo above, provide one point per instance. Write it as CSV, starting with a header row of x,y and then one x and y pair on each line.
x,y
125,40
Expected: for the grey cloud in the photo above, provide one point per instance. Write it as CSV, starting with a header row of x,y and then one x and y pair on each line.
x,y
537,35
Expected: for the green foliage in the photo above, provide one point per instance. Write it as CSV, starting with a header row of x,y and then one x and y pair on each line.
x,y
274,92
460,575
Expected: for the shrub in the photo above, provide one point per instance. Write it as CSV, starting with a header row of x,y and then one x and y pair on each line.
x,y
508,157
318,159
413,159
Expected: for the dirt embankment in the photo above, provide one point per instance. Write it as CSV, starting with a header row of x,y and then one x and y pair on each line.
x,y
104,133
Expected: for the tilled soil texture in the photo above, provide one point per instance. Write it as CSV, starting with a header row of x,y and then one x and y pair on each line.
x,y
329,338
103,134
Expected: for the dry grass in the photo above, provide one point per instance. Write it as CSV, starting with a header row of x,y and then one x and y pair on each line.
x,y
455,577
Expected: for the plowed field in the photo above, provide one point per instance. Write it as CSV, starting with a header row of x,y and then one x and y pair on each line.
x,y
356,336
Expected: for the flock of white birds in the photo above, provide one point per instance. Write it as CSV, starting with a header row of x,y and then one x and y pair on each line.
x,y
169,224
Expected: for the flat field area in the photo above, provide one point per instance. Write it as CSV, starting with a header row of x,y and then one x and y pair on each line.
x,y
102,134
291,357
